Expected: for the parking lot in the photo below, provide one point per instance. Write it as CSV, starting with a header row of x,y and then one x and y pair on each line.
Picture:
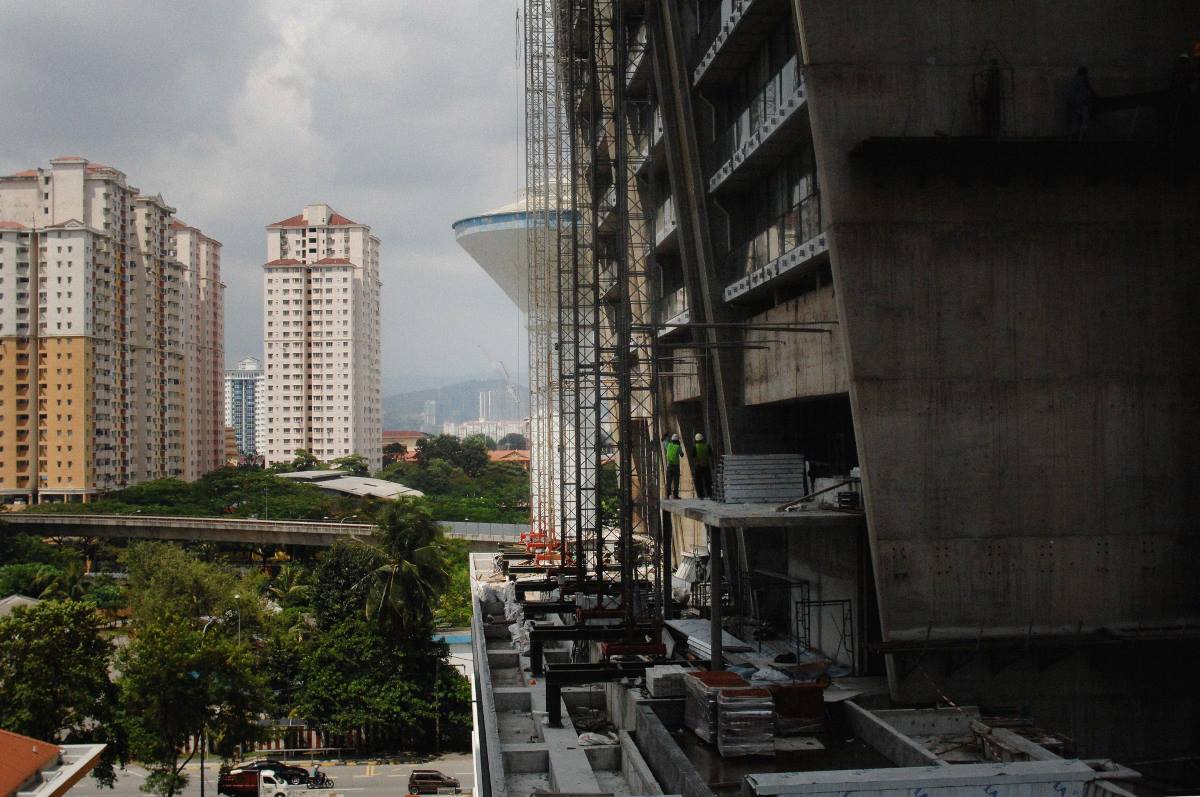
x,y
352,780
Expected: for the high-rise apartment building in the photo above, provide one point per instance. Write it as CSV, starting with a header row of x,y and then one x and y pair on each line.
x,y
321,293
244,404
204,354
110,329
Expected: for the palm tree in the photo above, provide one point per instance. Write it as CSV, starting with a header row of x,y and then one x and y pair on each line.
x,y
290,587
413,574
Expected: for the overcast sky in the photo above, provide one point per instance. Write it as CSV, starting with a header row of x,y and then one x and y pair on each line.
x,y
401,114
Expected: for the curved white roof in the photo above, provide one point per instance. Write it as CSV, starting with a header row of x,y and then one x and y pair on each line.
x,y
498,241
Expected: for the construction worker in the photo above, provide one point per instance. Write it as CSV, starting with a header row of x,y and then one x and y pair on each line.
x,y
702,467
673,454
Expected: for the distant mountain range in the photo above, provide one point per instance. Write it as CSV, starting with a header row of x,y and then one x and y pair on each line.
x,y
457,402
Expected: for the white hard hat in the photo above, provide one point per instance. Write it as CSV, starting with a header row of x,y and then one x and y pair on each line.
x,y
675,437
699,436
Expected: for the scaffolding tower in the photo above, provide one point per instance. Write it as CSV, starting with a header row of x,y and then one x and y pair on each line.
x,y
591,325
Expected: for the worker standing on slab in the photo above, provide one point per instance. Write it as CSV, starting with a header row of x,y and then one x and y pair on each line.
x,y
674,453
702,467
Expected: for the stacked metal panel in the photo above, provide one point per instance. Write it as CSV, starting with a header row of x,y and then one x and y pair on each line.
x,y
745,722
753,478
700,708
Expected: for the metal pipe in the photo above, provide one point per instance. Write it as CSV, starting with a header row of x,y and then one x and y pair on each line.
x,y
717,658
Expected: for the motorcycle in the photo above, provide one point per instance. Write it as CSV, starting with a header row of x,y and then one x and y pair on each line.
x,y
319,780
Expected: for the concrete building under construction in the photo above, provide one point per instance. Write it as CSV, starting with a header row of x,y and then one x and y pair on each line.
x,y
922,274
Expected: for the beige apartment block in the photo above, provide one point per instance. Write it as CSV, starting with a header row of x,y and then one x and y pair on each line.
x,y
321,332
204,349
96,314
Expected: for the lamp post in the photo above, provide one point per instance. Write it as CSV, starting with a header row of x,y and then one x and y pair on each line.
x,y
238,608
203,737
348,517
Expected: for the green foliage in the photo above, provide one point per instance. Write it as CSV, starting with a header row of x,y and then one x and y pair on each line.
x,y
240,492
306,460
357,675
177,680
412,573
54,681
166,582
291,587
480,439
356,464
18,547
470,455
344,577
513,440
498,494
454,606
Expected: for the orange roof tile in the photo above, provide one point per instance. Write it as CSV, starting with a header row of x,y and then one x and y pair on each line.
x,y
284,261
26,173
12,225
509,455
338,220
333,261
294,221
23,758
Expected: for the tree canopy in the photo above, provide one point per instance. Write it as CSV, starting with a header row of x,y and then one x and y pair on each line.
x,y
54,682
513,440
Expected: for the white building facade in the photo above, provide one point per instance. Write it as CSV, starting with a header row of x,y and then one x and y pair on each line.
x,y
245,403
321,338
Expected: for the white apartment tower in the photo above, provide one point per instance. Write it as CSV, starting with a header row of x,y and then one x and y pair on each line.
x,y
105,348
244,404
321,293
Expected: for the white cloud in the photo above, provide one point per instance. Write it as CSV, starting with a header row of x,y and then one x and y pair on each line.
x,y
401,114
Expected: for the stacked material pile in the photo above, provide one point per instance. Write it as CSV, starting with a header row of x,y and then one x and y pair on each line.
x,y
746,722
700,707
665,680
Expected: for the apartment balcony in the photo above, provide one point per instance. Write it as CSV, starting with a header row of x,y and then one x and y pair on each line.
x,y
637,60
666,227
770,129
648,138
732,36
790,247
673,312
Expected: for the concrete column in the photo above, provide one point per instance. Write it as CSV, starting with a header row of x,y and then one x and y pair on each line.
x,y
666,539
717,661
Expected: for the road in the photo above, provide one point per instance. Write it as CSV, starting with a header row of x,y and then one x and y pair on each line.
x,y
353,780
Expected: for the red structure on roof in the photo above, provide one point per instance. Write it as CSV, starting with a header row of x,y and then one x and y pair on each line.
x,y
335,220
23,758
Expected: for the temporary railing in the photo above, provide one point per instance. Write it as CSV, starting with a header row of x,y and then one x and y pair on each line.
x,y
763,106
800,223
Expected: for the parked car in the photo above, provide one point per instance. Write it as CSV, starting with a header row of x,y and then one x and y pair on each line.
x,y
241,780
430,781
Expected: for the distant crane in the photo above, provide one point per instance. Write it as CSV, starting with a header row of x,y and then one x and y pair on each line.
x,y
509,387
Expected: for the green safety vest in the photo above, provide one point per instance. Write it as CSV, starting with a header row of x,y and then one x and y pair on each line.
x,y
703,453
674,450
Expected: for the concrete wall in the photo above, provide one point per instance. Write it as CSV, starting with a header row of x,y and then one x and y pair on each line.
x,y
801,365
1020,352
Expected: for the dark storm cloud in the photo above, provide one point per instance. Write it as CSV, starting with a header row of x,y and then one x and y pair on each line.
x,y
400,114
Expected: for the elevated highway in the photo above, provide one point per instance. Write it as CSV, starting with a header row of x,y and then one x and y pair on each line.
x,y
241,530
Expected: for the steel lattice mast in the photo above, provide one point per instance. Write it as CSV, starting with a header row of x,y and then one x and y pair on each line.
x,y
592,356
